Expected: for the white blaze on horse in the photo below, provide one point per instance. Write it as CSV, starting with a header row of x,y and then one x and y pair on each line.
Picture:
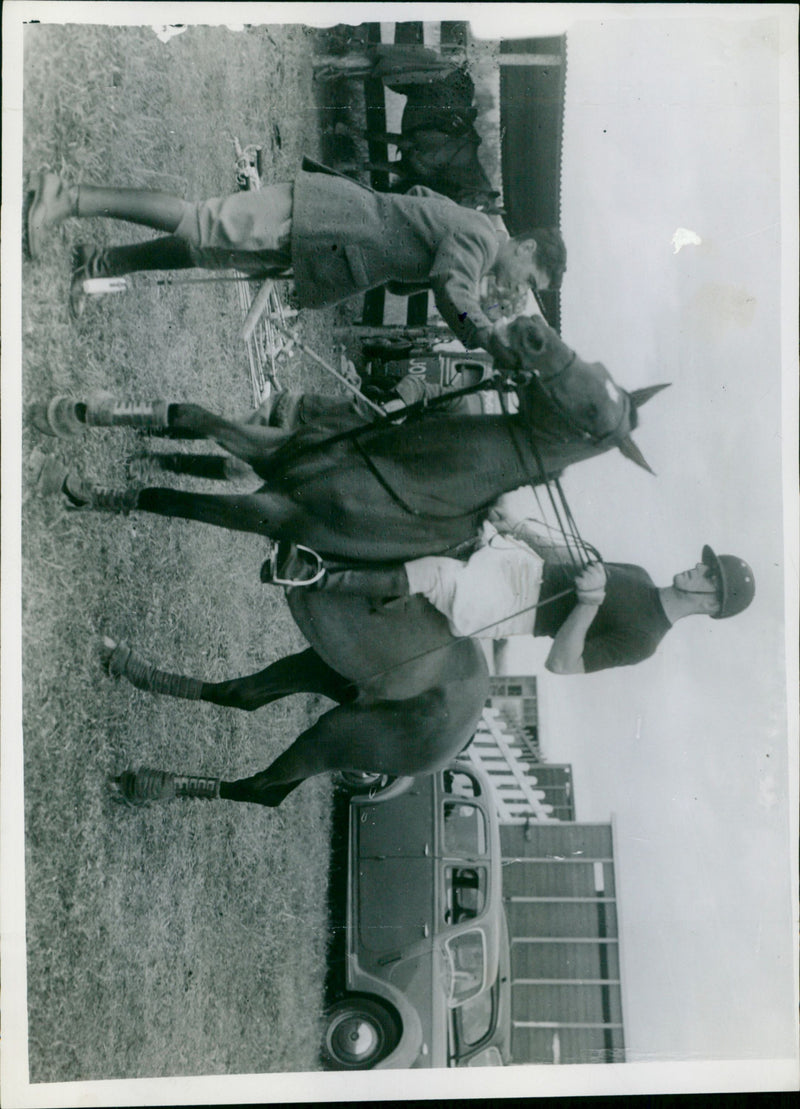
x,y
410,693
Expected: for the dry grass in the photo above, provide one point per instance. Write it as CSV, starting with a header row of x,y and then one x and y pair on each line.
x,y
183,939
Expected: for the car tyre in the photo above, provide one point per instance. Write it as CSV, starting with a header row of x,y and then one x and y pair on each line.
x,y
365,784
359,1032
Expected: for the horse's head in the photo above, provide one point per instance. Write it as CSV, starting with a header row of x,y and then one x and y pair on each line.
x,y
566,400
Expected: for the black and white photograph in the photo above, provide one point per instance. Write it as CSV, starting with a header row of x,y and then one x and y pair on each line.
x,y
400,551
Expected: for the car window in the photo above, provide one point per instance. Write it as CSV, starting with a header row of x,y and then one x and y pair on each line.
x,y
473,1020
464,893
464,829
467,960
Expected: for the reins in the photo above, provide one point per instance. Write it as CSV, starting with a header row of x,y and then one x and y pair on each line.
x,y
457,638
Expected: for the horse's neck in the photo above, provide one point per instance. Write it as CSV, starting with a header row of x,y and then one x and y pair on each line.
x,y
507,451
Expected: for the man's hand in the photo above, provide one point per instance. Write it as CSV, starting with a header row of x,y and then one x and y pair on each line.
x,y
590,584
503,356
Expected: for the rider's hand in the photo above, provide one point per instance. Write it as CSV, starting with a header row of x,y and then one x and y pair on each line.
x,y
590,584
503,356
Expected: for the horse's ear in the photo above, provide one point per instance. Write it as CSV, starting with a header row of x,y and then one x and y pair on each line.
x,y
642,396
631,451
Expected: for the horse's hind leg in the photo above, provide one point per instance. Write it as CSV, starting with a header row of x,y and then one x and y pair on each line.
x,y
383,737
386,737
304,672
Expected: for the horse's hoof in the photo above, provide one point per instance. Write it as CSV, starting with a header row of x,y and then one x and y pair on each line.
x,y
60,417
114,656
47,473
137,787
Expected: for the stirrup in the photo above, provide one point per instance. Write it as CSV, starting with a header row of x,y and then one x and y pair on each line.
x,y
270,574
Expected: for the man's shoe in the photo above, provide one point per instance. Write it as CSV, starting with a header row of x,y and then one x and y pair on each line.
x,y
292,564
49,202
81,257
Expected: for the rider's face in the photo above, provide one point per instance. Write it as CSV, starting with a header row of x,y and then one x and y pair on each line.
x,y
700,579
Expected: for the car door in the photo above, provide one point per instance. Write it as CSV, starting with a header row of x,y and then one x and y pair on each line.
x,y
395,884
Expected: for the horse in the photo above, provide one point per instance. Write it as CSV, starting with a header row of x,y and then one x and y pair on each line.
x,y
440,160
362,492
438,143
409,695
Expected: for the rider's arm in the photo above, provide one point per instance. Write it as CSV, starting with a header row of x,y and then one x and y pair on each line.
x,y
566,654
461,261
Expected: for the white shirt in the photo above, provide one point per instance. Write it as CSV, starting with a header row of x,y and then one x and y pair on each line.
x,y
491,596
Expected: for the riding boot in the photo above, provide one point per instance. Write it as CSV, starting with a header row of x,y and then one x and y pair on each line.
x,y
159,210
149,784
300,566
122,662
379,583
50,201
165,253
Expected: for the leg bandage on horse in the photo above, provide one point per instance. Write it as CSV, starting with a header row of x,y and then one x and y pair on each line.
x,y
149,784
122,662
66,417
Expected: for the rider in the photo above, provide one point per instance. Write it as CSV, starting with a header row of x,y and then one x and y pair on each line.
x,y
335,237
599,616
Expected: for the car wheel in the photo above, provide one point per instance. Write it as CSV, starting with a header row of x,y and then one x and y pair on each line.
x,y
366,784
359,1032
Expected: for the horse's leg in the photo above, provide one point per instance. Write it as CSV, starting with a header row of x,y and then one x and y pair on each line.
x,y
251,442
387,737
236,512
415,736
212,467
248,440
304,672
257,512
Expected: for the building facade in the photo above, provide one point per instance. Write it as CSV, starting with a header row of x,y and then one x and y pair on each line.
x,y
560,895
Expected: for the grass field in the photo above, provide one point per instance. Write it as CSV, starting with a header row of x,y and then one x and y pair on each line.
x,y
188,938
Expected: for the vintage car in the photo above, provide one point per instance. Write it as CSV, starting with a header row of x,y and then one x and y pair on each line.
x,y
426,980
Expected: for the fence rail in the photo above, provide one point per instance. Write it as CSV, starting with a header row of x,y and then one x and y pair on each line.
x,y
499,754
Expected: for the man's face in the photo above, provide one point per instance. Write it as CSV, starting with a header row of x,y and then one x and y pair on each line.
x,y
700,579
516,266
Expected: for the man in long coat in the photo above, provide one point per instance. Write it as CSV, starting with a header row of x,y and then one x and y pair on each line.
x,y
336,237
